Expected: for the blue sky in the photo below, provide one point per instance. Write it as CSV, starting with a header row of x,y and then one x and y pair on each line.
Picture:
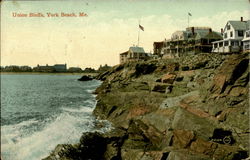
x,y
110,28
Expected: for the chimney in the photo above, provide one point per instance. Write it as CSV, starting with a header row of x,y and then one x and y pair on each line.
x,y
192,30
221,31
210,30
241,19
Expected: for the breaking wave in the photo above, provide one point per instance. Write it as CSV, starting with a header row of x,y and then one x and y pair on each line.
x,y
34,138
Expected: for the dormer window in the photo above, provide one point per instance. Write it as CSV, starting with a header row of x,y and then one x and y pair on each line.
x,y
228,27
231,34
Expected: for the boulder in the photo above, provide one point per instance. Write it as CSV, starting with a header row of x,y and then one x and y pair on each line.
x,y
230,71
185,155
227,152
128,154
155,155
203,147
160,88
199,65
160,119
86,78
144,68
238,91
171,67
175,101
182,138
202,127
179,78
112,151
219,84
168,78
91,146
185,68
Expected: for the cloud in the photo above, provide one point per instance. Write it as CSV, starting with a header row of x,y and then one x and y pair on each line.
x,y
219,20
95,40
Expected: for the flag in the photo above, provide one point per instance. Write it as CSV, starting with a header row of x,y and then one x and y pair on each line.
x,y
189,14
142,28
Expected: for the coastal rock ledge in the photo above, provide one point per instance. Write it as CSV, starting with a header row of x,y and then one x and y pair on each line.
x,y
189,108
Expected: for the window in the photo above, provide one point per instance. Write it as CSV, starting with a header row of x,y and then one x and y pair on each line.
x,y
204,41
228,27
135,55
231,34
247,34
236,43
247,46
226,43
240,33
225,35
221,44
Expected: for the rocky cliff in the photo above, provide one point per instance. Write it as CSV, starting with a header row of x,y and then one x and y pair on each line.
x,y
189,108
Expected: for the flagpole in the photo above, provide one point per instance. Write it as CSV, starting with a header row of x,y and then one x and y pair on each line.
x,y
138,35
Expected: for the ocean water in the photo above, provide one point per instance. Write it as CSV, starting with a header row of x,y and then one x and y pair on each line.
x,y
40,111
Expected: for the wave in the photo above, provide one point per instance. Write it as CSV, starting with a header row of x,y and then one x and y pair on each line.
x,y
37,134
65,129
81,109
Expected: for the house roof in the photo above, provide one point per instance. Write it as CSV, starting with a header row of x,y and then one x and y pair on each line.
x,y
60,65
159,42
208,35
248,24
124,53
239,25
137,49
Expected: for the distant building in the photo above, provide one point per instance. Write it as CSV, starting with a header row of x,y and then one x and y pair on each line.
x,y
14,68
25,69
103,68
89,70
60,67
158,48
47,68
133,54
192,40
123,57
233,35
75,69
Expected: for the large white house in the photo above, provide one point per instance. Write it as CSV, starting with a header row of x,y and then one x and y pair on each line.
x,y
246,41
232,37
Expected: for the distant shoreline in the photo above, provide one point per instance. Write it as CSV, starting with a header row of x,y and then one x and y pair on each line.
x,y
44,73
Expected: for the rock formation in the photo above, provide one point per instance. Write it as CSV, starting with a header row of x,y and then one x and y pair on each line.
x,y
86,78
188,108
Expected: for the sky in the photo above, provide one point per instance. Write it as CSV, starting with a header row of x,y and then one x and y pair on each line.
x,y
110,28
